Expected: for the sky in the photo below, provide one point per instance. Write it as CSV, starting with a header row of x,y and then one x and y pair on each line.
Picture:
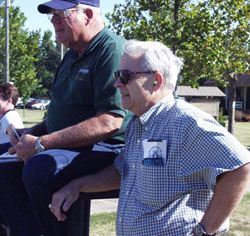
x,y
36,21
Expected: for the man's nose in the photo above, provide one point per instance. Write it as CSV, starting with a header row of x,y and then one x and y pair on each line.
x,y
118,83
54,19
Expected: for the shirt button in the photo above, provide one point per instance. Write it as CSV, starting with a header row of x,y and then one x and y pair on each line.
x,y
146,129
133,166
138,141
120,219
127,193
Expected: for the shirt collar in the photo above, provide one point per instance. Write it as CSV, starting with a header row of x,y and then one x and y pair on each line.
x,y
94,43
148,118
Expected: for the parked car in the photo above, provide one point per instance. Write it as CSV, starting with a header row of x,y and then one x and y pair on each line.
x,y
31,101
19,103
40,104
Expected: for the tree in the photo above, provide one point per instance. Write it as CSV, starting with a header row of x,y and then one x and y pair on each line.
x,y
212,36
231,35
48,59
23,47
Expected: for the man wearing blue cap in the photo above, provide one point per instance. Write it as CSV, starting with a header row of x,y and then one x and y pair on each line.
x,y
85,123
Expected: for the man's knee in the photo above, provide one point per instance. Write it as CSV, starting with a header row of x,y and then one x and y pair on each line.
x,y
38,168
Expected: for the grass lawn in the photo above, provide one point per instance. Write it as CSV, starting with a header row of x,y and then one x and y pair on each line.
x,y
104,224
242,132
30,117
240,225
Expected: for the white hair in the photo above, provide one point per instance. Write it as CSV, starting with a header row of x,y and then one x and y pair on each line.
x,y
155,56
96,11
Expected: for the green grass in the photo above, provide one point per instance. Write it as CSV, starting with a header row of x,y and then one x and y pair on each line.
x,y
30,117
104,224
240,219
242,132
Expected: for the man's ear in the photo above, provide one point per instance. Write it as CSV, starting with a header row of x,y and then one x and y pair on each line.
x,y
158,81
89,13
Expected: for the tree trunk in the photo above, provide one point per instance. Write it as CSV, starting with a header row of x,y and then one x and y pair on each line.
x,y
176,10
231,104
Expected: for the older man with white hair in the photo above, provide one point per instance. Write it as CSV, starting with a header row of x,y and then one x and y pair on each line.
x,y
180,173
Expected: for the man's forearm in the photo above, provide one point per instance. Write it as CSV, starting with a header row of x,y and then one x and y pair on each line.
x,y
229,191
105,180
85,133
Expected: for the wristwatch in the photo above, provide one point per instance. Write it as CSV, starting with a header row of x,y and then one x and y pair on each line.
x,y
38,146
199,230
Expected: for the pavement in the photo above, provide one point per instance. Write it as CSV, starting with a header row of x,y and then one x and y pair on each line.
x,y
103,205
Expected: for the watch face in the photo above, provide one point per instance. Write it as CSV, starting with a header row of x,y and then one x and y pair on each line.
x,y
198,231
39,149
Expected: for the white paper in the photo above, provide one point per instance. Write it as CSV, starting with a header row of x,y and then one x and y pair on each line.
x,y
6,155
155,149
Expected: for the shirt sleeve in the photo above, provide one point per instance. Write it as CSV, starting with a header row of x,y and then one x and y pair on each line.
x,y
5,123
209,150
12,117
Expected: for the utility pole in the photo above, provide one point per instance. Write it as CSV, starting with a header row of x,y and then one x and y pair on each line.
x,y
7,6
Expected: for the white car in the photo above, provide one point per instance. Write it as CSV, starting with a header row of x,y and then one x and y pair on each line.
x,y
19,103
41,104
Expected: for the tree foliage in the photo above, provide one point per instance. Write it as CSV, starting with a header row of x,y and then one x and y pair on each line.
x,y
22,49
48,58
33,59
211,35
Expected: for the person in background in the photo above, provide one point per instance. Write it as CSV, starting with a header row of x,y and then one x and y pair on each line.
x,y
180,173
8,115
8,118
85,124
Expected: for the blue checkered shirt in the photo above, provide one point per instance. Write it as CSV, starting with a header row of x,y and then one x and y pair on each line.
x,y
170,199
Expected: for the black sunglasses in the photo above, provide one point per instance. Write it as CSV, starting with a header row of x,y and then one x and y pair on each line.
x,y
125,75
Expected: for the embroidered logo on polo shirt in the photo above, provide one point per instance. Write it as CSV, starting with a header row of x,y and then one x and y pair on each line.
x,y
82,74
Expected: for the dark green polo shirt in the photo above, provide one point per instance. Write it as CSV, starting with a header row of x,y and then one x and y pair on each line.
x,y
83,86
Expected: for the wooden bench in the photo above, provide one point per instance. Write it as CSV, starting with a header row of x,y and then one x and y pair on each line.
x,y
80,212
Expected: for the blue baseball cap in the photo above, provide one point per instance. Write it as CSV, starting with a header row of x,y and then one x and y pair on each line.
x,y
65,4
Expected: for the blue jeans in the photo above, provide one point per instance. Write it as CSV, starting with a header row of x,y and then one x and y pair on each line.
x,y
26,190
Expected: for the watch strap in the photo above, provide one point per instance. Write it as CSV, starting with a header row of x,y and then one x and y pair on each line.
x,y
199,230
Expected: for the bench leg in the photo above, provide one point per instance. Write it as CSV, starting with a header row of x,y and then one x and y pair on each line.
x,y
79,218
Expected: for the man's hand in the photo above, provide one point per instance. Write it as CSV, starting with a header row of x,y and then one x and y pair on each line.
x,y
25,148
13,138
64,198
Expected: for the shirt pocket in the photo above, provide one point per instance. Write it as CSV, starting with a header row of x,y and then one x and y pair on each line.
x,y
153,185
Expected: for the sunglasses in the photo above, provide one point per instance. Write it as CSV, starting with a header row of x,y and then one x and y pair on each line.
x,y
125,75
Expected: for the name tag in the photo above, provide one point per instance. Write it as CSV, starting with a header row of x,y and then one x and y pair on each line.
x,y
155,152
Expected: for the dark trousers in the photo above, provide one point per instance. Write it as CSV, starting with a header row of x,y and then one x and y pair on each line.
x,y
26,190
